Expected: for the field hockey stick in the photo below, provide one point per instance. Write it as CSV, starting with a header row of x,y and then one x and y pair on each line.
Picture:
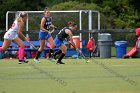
x,y
79,51
31,44
54,28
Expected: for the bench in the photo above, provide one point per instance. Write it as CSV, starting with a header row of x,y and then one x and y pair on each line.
x,y
14,47
28,49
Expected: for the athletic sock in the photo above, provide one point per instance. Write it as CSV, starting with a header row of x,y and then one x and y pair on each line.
x,y
38,54
21,53
57,52
61,57
50,53
1,49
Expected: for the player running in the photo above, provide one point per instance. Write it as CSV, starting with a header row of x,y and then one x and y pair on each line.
x,y
64,34
44,34
12,36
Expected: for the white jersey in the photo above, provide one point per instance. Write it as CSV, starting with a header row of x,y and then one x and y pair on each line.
x,y
14,27
11,34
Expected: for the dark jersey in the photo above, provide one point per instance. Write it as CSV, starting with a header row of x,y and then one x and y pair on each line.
x,y
48,23
62,35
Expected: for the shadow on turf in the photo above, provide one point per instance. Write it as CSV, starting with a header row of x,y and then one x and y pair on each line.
x,y
60,81
3,92
125,78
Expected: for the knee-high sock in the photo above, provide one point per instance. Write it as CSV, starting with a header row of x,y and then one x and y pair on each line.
x,y
21,53
57,52
61,57
50,52
38,54
1,49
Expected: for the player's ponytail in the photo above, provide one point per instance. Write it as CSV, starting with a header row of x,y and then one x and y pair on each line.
x,y
46,9
22,14
70,23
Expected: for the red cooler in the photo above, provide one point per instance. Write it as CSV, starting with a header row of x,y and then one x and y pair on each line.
x,y
76,40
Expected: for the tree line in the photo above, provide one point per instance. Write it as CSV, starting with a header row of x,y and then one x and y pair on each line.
x,y
114,13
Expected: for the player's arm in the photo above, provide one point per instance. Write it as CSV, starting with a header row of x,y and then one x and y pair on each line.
x,y
43,21
70,37
19,32
53,26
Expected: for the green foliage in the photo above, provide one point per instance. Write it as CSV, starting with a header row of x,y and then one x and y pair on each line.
x,y
117,13
73,5
65,6
131,37
119,23
114,13
16,5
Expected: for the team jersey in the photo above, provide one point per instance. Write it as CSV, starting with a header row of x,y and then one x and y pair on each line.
x,y
14,27
62,35
11,34
48,23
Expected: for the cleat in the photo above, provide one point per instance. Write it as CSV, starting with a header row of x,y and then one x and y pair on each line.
x,y
60,62
25,61
19,62
22,61
36,60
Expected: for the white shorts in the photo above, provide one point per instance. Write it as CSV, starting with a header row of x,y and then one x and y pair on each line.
x,y
10,35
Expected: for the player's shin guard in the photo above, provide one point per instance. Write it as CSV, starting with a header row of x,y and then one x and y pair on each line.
x,y
61,57
1,49
57,52
38,54
21,53
50,53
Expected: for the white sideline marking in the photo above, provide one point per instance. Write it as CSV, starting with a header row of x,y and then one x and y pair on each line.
x,y
16,67
121,65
